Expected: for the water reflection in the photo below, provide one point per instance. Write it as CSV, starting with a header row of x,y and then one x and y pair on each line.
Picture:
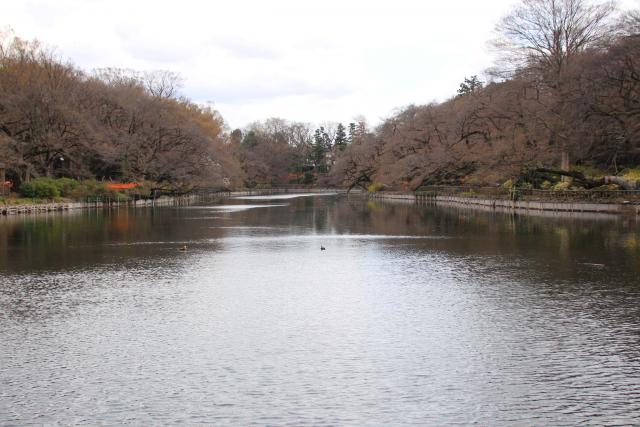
x,y
412,315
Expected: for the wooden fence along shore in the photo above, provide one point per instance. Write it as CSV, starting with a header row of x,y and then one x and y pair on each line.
x,y
625,202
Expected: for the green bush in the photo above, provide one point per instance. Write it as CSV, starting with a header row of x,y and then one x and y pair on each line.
x,y
43,188
49,188
66,186
93,190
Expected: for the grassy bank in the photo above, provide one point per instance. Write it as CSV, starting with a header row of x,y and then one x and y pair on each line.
x,y
15,200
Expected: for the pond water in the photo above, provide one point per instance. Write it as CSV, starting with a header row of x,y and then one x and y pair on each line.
x,y
412,315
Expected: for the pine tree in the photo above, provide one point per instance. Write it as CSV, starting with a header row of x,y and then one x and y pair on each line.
x,y
319,150
250,139
341,137
470,85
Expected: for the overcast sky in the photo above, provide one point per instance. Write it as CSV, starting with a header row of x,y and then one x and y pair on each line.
x,y
328,60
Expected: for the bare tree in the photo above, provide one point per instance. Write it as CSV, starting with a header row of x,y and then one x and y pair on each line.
x,y
122,77
630,23
162,83
55,120
547,34
300,134
539,39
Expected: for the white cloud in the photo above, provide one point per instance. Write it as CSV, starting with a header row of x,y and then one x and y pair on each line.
x,y
326,60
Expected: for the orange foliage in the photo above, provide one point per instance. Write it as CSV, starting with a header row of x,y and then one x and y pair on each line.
x,y
122,186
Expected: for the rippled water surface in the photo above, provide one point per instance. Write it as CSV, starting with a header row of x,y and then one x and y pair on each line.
x,y
412,315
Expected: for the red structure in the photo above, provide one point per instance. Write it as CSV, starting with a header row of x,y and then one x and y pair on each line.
x,y
122,185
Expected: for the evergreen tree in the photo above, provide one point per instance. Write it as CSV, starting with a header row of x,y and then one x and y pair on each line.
x,y
319,149
470,85
341,137
250,139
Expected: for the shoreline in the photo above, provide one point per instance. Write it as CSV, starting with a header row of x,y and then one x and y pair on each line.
x,y
49,207
498,204
483,203
33,208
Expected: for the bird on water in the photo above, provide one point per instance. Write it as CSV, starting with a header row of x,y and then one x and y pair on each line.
x,y
322,248
183,249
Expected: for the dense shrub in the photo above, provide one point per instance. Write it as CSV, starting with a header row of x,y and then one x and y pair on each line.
x,y
66,186
42,188
48,188
92,190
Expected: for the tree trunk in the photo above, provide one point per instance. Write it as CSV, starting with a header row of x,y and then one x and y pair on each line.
x,y
27,173
2,180
627,185
564,164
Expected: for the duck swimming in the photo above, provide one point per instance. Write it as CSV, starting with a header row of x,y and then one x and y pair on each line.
x,y
183,249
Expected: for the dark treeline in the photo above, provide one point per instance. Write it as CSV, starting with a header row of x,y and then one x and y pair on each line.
x,y
57,120
563,99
